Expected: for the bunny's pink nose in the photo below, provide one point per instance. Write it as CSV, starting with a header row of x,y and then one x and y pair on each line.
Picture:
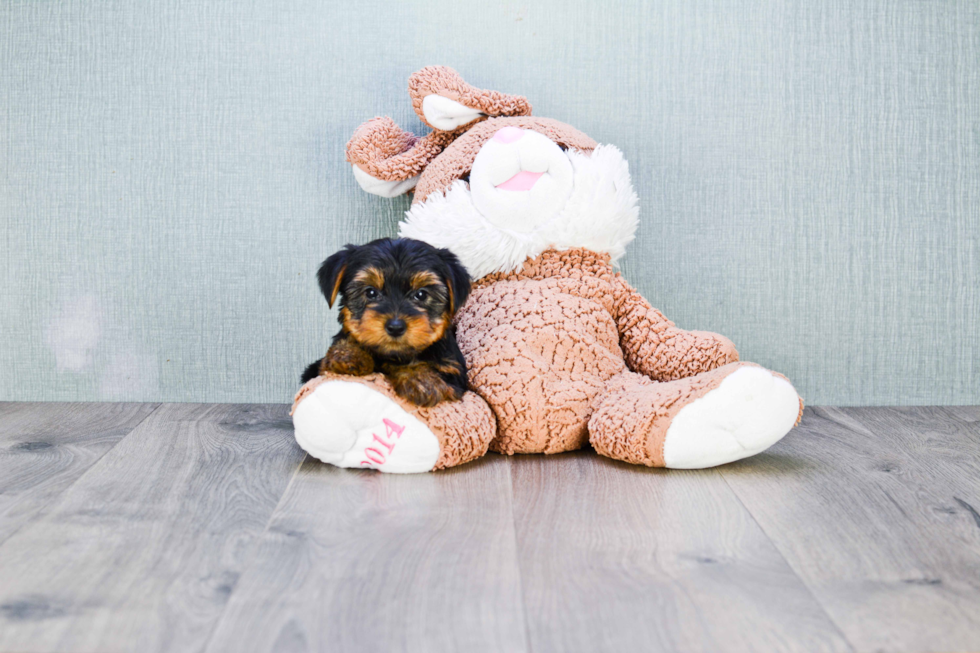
x,y
508,134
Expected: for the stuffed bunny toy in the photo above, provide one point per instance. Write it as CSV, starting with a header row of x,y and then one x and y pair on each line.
x,y
561,350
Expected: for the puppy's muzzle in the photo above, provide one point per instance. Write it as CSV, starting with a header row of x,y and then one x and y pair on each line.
x,y
396,327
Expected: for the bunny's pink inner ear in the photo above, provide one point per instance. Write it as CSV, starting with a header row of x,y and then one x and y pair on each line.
x,y
382,150
445,102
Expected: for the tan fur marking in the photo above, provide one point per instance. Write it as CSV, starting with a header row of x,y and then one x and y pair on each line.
x,y
447,367
423,279
421,332
346,319
370,329
371,277
336,287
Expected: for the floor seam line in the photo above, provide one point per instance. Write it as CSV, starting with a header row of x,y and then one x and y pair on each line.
x,y
517,557
43,512
205,645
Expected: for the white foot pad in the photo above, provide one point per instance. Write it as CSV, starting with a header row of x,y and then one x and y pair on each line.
x,y
351,425
749,411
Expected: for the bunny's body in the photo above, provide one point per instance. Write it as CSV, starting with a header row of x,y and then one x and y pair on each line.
x,y
561,350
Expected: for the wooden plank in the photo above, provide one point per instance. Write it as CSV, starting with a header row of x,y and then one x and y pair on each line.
x,y
968,414
870,508
142,552
616,557
45,447
944,439
360,561
948,436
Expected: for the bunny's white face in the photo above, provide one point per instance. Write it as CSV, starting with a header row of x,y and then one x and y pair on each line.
x,y
525,195
520,180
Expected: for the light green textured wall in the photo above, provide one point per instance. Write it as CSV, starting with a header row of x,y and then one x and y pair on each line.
x,y
171,174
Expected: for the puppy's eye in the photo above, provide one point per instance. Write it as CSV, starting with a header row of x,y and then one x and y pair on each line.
x,y
371,294
420,295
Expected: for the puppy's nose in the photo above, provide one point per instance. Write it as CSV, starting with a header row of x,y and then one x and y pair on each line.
x,y
395,327
508,134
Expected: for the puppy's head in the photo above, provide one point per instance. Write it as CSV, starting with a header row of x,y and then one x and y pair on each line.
x,y
397,296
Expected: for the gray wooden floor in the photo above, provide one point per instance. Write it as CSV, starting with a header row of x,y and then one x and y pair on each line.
x,y
180,527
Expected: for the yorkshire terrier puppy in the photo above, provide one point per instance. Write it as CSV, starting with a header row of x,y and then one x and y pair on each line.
x,y
397,302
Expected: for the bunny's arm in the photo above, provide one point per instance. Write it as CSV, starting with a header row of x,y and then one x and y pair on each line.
x,y
654,347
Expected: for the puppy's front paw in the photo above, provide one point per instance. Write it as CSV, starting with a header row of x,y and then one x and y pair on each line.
x,y
347,358
421,392
420,385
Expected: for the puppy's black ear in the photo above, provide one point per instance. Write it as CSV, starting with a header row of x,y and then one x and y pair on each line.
x,y
331,274
457,278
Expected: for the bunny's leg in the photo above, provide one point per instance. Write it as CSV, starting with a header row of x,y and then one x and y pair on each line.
x,y
708,419
360,422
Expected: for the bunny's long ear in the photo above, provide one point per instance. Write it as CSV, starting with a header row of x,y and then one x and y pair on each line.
x,y
445,102
387,161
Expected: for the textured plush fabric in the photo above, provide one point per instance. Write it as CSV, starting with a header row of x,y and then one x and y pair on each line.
x,y
657,348
444,81
631,421
548,344
382,149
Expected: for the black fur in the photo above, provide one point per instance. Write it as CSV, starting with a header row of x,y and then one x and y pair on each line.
x,y
330,270
312,371
398,260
